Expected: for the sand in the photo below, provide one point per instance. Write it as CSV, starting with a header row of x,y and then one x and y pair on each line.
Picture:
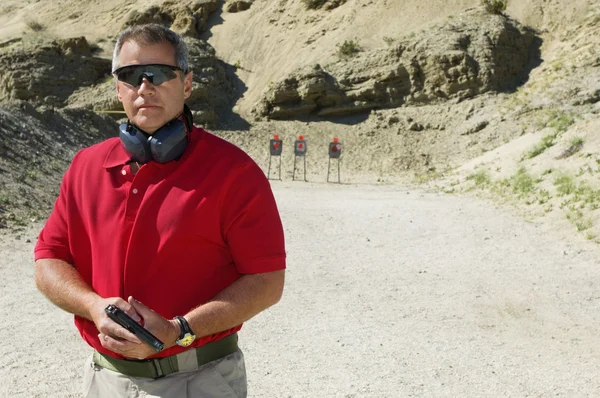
x,y
390,292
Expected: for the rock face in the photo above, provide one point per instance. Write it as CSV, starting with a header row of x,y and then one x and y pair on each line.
x,y
326,4
212,89
473,53
49,73
189,19
36,146
237,5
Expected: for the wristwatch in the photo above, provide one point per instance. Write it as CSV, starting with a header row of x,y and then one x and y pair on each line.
x,y
186,336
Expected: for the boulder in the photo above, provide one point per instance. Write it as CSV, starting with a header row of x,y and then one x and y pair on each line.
x,y
186,18
50,72
237,5
311,90
325,4
213,90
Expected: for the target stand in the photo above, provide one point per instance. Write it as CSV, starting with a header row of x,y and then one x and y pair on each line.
x,y
275,150
299,152
335,152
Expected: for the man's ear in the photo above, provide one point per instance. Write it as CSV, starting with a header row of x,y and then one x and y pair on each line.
x,y
187,85
117,87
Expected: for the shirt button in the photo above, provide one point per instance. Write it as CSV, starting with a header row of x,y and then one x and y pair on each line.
x,y
135,191
123,171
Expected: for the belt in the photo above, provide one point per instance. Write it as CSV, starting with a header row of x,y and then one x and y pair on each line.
x,y
186,361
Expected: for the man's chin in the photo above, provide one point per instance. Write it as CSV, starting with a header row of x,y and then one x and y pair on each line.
x,y
148,126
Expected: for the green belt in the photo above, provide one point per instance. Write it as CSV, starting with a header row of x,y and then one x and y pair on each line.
x,y
160,367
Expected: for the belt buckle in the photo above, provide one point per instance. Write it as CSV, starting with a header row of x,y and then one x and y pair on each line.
x,y
158,368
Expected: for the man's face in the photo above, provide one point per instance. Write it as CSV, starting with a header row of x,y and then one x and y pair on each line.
x,y
150,107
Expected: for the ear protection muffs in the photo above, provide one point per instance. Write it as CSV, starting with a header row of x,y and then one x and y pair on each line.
x,y
167,143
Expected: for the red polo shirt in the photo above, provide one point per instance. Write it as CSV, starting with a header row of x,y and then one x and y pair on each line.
x,y
173,235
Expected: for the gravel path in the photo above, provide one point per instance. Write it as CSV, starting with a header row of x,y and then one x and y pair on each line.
x,y
389,293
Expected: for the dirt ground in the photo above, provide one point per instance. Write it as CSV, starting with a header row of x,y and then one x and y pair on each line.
x,y
390,292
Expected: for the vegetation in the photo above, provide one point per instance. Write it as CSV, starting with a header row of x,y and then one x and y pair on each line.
x,y
560,121
32,175
388,40
494,6
575,146
481,177
564,185
546,142
429,175
588,196
580,201
522,183
34,25
576,217
577,141
348,49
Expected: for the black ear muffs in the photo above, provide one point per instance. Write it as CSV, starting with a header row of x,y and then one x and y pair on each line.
x,y
166,144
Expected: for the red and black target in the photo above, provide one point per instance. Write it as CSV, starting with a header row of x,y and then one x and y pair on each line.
x,y
300,146
275,146
335,149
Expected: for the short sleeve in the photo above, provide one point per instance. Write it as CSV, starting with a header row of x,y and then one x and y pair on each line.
x,y
251,222
53,240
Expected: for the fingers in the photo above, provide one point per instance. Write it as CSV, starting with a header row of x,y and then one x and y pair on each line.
x,y
119,302
134,315
124,347
119,333
107,326
140,307
131,311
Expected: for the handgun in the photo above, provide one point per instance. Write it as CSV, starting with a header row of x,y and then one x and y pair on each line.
x,y
120,317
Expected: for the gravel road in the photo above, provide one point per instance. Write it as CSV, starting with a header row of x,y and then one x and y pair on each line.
x,y
389,293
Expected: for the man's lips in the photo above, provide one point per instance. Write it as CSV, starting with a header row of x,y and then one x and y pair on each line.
x,y
147,106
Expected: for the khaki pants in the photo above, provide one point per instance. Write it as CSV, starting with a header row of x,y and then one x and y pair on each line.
x,y
225,377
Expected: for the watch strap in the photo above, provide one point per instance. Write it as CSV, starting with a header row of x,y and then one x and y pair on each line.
x,y
184,326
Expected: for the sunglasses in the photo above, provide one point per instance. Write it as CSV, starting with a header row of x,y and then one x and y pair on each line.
x,y
156,74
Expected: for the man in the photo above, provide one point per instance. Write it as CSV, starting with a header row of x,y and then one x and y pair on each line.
x,y
174,226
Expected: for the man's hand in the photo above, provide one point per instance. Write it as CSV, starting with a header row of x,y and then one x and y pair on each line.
x,y
118,339
110,330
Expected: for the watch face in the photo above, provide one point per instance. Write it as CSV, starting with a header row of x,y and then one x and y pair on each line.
x,y
186,340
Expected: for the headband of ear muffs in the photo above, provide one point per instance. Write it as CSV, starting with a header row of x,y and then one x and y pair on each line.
x,y
167,143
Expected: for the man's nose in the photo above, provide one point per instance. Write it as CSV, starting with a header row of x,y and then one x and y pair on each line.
x,y
146,86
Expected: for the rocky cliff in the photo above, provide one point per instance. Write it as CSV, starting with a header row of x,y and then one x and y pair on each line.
x,y
473,53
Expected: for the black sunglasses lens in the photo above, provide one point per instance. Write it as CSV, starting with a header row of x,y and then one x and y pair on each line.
x,y
161,74
127,75
155,74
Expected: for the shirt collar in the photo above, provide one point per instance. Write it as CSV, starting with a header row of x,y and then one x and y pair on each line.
x,y
116,156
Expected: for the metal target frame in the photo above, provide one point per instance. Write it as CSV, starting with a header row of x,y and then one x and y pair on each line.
x,y
300,149
275,149
335,152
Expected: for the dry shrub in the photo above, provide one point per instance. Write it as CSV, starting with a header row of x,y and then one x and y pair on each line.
x,y
494,6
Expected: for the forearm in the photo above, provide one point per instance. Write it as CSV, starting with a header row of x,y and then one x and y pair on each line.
x,y
61,283
240,301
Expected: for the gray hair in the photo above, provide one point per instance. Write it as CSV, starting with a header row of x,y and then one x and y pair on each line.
x,y
152,34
